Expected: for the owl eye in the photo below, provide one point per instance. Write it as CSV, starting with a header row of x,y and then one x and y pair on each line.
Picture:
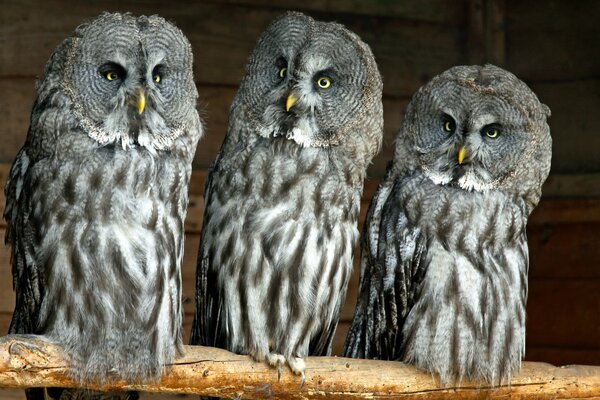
x,y
283,72
449,125
492,131
112,72
158,73
323,82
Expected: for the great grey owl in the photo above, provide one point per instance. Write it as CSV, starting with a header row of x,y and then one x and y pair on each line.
x,y
444,256
283,195
97,197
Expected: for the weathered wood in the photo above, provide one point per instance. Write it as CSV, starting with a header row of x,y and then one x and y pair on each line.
x,y
564,250
572,185
434,11
554,41
555,210
563,355
486,32
222,36
574,106
564,313
31,362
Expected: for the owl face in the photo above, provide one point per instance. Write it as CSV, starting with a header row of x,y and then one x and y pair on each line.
x,y
131,80
305,81
471,131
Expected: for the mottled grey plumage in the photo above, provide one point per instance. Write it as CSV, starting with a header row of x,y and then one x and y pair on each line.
x,y
97,197
444,255
283,196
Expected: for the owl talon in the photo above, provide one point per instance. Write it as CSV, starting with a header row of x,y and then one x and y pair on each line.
x,y
297,365
276,360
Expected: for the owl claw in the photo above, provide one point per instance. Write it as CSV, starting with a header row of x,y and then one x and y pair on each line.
x,y
276,360
297,366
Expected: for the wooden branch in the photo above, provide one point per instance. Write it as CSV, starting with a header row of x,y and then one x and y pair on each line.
x,y
29,361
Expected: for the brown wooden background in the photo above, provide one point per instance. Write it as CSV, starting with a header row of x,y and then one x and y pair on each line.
x,y
551,45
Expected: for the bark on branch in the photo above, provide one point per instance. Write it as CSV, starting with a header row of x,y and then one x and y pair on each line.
x,y
29,361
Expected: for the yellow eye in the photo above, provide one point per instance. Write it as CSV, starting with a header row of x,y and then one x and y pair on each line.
x,y
492,133
157,78
111,76
283,72
324,82
449,126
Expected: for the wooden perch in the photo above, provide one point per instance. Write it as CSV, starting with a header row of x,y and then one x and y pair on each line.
x,y
28,361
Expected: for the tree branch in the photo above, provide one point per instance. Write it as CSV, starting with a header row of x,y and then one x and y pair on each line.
x,y
30,361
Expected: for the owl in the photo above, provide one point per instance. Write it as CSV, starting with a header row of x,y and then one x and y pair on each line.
x,y
283,195
444,259
97,196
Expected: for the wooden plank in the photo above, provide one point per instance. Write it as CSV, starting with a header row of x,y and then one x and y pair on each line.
x,y
564,250
434,11
18,95
553,42
7,297
572,185
486,33
566,211
574,106
564,313
5,318
222,36
563,356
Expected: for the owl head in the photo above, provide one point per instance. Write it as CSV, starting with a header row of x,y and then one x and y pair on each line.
x,y
477,128
128,80
313,83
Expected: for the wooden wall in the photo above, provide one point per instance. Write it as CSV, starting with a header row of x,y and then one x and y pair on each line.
x,y
552,45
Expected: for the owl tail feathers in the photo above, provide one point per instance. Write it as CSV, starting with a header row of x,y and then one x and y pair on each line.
x,y
134,356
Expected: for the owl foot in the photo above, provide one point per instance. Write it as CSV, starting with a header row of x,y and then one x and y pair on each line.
x,y
276,360
297,365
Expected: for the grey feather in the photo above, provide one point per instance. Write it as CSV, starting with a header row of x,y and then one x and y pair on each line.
x,y
444,258
283,196
97,197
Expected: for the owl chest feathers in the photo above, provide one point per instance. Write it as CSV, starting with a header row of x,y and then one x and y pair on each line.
x,y
112,225
281,235
469,313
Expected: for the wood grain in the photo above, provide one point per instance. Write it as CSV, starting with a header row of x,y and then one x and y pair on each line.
x,y
554,42
433,11
31,362
222,36
574,106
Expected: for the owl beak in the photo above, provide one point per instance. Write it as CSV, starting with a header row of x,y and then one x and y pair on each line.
x,y
291,100
462,153
141,101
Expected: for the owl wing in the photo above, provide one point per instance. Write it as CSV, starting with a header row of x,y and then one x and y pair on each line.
x,y
28,277
206,326
392,266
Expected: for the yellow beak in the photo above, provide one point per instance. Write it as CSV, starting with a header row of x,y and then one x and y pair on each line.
x,y
291,100
141,101
461,155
